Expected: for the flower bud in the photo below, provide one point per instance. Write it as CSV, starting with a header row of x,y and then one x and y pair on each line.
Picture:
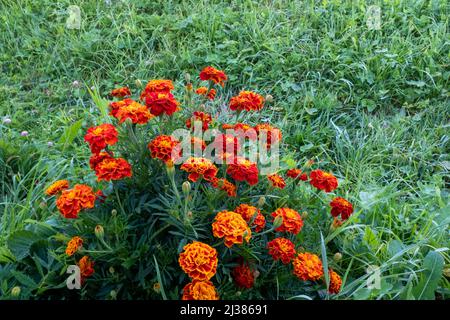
x,y
43,205
189,87
256,274
113,294
187,77
138,83
238,293
7,121
446,272
24,133
76,84
114,212
261,201
336,224
128,121
277,222
99,231
189,214
304,215
157,287
337,257
186,187
170,169
111,270
15,292
269,98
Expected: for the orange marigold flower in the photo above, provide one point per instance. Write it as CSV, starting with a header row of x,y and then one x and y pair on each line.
x,y
297,174
307,267
95,159
216,76
57,187
121,92
232,227
243,170
243,276
196,141
292,221
165,148
251,213
211,94
225,185
340,206
198,260
247,100
270,133
323,180
136,112
201,91
112,169
74,245
226,144
241,130
335,282
72,201
276,181
199,167
281,249
152,86
203,117
161,102
86,266
200,290
101,136
116,105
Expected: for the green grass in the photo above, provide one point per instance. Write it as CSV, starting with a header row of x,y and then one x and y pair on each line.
x,y
370,105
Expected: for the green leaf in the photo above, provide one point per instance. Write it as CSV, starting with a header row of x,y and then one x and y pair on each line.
x,y
24,279
6,256
324,261
70,133
370,238
430,277
158,275
20,243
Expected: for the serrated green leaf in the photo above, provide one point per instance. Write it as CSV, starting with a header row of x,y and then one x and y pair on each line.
x,y
20,243
430,277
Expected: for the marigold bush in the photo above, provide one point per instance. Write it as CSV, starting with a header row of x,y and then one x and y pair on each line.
x,y
160,221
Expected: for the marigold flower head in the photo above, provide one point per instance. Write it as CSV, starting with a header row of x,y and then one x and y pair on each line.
x,y
136,112
216,76
232,227
281,249
86,266
340,206
242,130
199,167
95,159
121,92
101,136
200,290
307,267
323,180
243,170
56,187
335,282
161,103
251,213
165,148
203,117
243,276
225,185
152,86
198,260
226,144
201,91
116,105
292,221
211,94
74,245
272,134
247,100
276,181
113,169
72,201
297,174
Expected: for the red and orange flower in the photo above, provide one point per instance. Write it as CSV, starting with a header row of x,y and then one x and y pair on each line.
x,y
74,245
226,145
323,180
203,117
101,136
247,100
199,167
214,75
291,220
72,201
116,105
335,282
211,94
232,227
200,290
161,103
165,148
158,86
86,266
243,276
308,267
225,185
112,169
297,174
268,133
243,170
251,213
342,207
281,249
56,187
136,112
198,260
276,181
121,92
95,159
201,91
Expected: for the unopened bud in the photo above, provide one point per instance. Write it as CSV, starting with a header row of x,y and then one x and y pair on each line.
x,y
170,169
336,224
113,294
111,270
99,231
187,77
446,272
189,214
186,187
76,84
277,222
269,98
261,201
138,83
15,292
114,212
256,274
304,215
157,287
337,257
238,293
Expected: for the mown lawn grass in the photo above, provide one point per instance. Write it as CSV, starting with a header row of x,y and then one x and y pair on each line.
x,y
369,105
